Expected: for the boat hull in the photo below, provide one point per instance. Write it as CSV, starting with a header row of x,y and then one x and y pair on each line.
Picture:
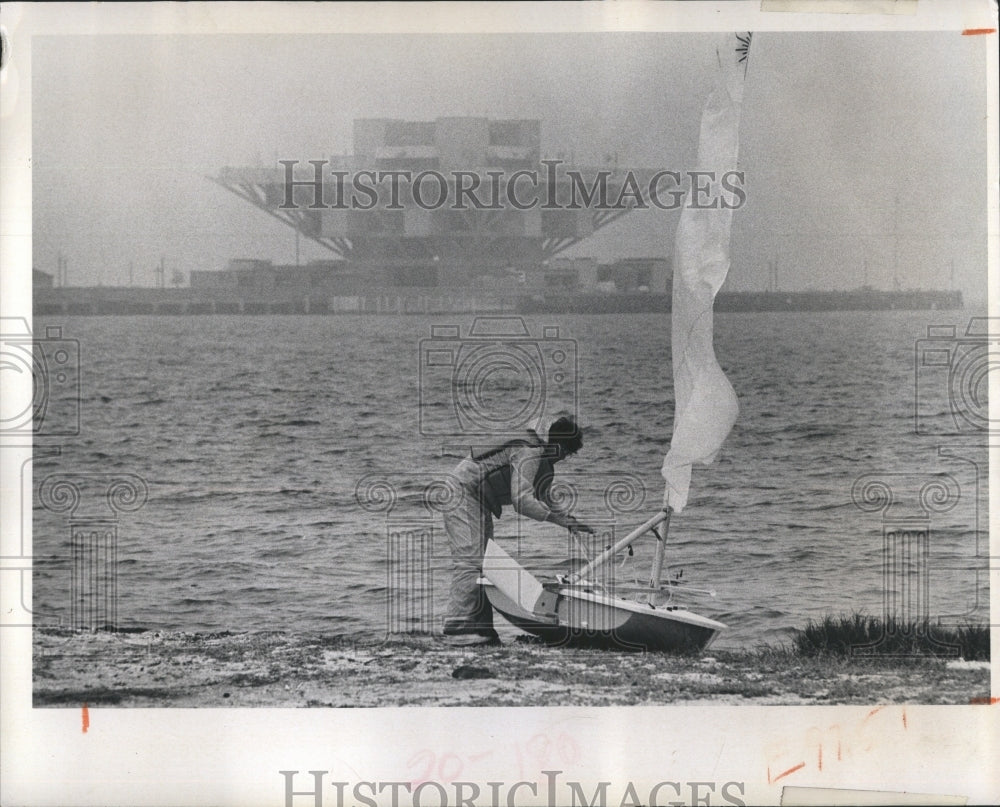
x,y
588,619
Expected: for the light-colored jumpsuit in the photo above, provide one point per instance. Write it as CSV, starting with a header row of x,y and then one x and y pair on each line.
x,y
519,474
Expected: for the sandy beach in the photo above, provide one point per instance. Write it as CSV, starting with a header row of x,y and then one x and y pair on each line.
x,y
154,669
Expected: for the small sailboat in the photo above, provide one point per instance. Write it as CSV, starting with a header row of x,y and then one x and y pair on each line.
x,y
578,609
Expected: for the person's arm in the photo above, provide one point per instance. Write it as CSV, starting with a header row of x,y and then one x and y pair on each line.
x,y
524,468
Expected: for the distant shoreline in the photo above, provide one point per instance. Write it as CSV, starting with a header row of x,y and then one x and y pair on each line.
x,y
131,301
156,669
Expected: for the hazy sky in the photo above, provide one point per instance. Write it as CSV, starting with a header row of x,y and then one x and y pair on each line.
x,y
857,146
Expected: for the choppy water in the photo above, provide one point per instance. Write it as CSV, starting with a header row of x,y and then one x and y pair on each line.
x,y
253,433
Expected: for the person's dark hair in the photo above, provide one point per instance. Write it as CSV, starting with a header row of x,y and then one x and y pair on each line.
x,y
567,435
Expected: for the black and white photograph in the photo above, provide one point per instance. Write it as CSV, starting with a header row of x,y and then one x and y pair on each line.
x,y
522,385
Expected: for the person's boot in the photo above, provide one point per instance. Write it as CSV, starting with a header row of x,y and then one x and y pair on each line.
x,y
475,630
468,632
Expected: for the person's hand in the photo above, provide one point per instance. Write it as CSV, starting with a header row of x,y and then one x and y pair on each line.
x,y
578,526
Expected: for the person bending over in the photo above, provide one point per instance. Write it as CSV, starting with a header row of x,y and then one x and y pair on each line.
x,y
517,473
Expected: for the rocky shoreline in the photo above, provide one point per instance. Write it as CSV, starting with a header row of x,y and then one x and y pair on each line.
x,y
155,669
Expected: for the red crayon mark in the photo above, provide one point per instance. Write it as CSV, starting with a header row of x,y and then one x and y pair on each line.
x,y
978,31
874,712
86,719
983,701
904,719
819,759
839,757
790,771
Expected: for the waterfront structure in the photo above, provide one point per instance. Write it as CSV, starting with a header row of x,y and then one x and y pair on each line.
x,y
408,255
259,287
254,286
454,206
633,302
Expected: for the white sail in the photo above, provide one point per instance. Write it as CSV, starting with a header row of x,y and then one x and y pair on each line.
x,y
705,402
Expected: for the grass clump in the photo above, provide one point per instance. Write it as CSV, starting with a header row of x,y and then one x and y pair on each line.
x,y
862,635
